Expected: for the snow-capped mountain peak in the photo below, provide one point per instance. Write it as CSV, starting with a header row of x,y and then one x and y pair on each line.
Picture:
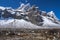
x,y
23,7
2,8
27,16
52,14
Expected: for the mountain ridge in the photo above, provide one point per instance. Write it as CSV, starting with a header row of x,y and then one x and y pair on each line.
x,y
30,15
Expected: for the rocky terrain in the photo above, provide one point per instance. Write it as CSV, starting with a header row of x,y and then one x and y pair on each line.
x,y
30,34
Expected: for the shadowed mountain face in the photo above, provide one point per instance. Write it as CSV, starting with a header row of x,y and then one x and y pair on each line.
x,y
29,14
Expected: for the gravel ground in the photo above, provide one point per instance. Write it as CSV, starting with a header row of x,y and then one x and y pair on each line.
x,y
31,35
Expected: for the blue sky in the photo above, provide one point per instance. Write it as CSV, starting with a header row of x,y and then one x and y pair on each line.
x,y
45,5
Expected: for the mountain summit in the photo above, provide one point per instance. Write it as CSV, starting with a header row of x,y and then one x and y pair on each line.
x,y
27,16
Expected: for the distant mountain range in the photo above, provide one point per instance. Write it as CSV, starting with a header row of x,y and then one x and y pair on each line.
x,y
27,16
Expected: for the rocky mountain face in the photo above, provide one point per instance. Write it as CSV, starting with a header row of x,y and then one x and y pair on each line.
x,y
29,14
